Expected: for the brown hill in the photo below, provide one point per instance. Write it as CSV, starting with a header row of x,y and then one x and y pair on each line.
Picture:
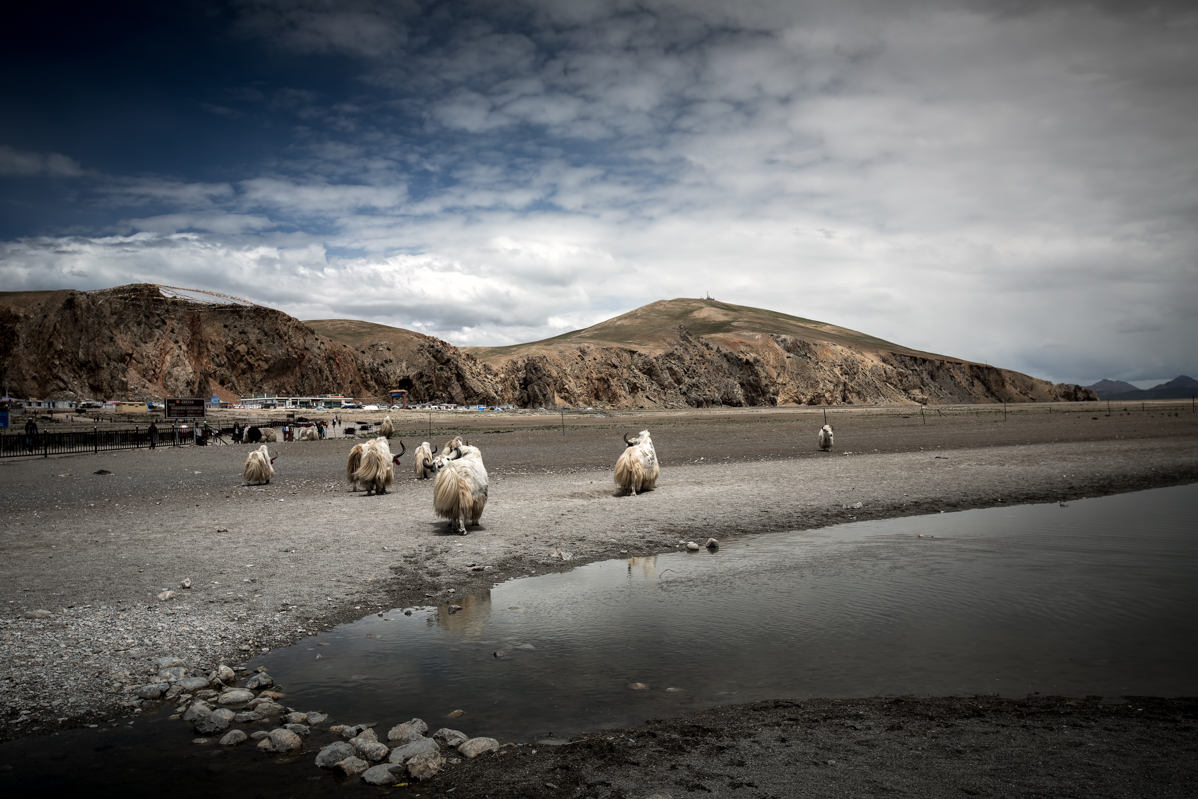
x,y
148,342
675,353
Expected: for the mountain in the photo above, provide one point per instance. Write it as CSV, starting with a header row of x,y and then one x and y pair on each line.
x,y
1105,388
1180,387
145,341
148,342
698,352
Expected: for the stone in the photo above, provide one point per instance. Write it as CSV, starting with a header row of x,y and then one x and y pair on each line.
x,y
333,754
712,544
366,733
40,613
236,696
352,766
185,583
172,674
168,662
248,717
451,738
153,690
426,766
380,774
299,729
455,714
213,723
281,740
371,750
408,731
294,718
259,681
233,738
207,693
477,746
224,674
273,696
270,710
691,546
165,595
421,746
258,735
192,684
201,741
316,718
198,709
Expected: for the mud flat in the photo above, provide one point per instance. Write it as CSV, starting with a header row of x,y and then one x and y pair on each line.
x,y
269,565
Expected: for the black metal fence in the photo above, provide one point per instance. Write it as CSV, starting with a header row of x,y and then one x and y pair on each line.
x,y
19,444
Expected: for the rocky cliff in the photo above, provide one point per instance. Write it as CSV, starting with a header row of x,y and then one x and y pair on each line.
x,y
144,342
138,343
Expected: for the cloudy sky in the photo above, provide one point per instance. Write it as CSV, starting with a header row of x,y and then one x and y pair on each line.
x,y
1011,181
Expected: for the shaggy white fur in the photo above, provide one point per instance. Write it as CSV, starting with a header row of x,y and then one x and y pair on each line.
x,y
637,469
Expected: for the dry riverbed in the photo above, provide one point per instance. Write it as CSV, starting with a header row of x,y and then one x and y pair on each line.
x,y
90,541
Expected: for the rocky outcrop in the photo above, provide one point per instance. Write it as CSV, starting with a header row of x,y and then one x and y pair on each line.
x,y
137,343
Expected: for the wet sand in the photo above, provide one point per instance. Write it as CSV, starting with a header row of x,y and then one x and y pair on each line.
x,y
270,564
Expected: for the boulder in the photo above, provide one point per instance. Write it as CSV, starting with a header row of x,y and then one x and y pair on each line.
x,y
191,684
477,746
421,746
262,680
451,738
425,766
269,710
198,709
294,718
153,690
407,732
333,754
352,766
235,696
233,738
172,675
371,750
299,729
315,718
381,774
281,740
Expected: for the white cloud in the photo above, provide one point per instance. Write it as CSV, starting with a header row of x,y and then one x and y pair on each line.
x,y
1014,185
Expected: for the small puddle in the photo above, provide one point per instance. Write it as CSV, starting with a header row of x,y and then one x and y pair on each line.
x,y
1099,597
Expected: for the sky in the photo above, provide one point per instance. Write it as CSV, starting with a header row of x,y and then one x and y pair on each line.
x,y
1007,181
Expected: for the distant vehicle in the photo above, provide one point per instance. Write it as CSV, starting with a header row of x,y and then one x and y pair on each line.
x,y
90,405
371,408
350,406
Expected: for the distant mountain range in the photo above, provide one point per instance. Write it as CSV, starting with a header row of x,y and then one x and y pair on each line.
x,y
1180,387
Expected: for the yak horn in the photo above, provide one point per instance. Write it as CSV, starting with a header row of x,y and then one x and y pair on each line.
x,y
428,464
402,449
626,441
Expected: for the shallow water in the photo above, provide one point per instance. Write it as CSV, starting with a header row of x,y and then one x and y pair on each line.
x,y
1100,597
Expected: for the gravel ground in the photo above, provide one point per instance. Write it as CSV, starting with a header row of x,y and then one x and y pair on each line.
x,y
269,565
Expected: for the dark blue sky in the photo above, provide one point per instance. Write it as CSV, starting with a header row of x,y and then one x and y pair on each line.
x,y
1011,182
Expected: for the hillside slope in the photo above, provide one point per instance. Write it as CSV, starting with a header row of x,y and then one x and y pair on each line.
x,y
694,352
148,342
137,342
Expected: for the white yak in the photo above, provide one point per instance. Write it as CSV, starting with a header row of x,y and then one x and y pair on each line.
x,y
460,490
637,469
258,468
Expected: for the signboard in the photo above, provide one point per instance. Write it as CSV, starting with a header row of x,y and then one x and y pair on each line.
x,y
215,400
184,408
3,420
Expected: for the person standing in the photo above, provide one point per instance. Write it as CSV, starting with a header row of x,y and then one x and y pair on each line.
x,y
153,435
30,434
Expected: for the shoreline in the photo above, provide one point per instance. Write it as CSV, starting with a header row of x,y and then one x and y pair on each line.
x,y
303,554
